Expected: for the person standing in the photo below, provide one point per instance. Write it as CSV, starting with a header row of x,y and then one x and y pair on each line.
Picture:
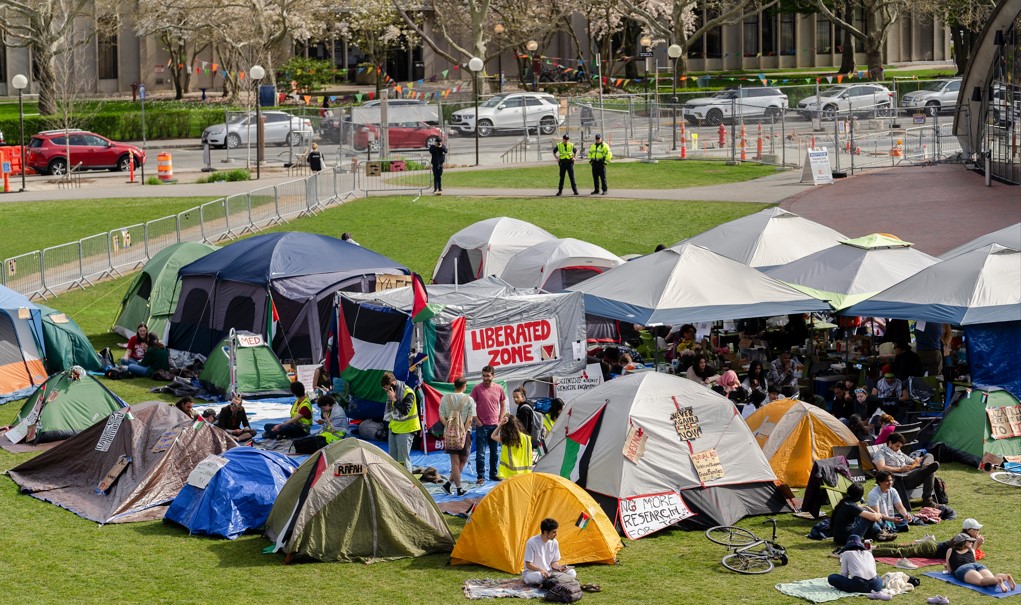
x,y
315,159
491,405
565,153
516,453
599,155
402,415
438,156
457,410
931,341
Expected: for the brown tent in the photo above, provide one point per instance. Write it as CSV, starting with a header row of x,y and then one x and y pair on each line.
x,y
126,467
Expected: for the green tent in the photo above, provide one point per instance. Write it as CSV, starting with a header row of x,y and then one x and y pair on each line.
x,y
152,296
259,373
966,426
66,344
67,403
350,501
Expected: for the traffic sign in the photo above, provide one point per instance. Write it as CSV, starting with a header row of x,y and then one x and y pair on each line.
x,y
141,91
5,168
645,53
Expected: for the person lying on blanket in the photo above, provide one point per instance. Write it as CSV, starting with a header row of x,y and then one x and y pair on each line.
x,y
542,555
929,548
960,562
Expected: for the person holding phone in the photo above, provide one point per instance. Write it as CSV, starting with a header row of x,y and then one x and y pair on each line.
x,y
437,157
542,555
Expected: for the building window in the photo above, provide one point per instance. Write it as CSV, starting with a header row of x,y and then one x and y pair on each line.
x,y
769,35
751,36
3,64
788,46
860,22
823,36
108,54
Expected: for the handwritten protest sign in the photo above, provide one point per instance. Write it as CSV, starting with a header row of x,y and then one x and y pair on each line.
x,y
644,515
1004,422
634,444
686,423
113,424
707,465
569,387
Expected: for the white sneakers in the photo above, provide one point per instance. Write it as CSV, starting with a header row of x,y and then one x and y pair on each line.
x,y
904,563
926,537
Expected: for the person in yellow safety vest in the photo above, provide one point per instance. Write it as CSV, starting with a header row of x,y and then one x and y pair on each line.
x,y
333,419
300,422
565,153
516,455
550,418
599,155
402,415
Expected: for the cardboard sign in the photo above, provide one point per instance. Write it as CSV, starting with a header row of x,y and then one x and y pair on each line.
x,y
634,444
306,375
113,424
707,465
643,515
569,387
343,469
385,281
24,313
166,440
115,471
511,345
249,340
1004,422
59,318
16,433
686,424
373,168
817,167
202,474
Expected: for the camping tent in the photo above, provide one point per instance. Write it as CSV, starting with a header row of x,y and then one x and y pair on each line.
x,y
126,467
21,346
766,239
967,426
794,434
237,498
687,443
483,249
259,373
511,513
67,403
557,264
854,269
152,296
1008,237
350,501
66,344
689,284
279,282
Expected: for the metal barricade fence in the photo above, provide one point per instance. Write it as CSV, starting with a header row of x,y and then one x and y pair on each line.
x,y
96,262
291,200
406,173
160,234
262,204
214,220
238,215
127,247
189,225
62,267
24,273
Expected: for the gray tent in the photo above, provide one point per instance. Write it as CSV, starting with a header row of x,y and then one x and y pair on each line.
x,y
1009,237
483,248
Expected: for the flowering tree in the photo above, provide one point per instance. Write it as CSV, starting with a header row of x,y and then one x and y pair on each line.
x,y
182,27
377,28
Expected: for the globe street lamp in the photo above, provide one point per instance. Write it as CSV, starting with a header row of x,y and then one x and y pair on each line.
x,y
257,73
674,52
533,46
499,29
20,82
476,65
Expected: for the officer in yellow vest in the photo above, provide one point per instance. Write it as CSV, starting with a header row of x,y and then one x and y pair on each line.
x,y
599,155
300,422
565,153
402,415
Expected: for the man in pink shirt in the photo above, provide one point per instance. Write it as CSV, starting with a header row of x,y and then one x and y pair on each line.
x,y
490,406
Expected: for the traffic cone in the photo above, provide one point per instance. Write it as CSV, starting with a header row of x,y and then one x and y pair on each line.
x,y
744,145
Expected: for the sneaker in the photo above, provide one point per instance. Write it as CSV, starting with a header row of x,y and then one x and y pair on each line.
x,y
879,596
929,502
461,491
559,193
886,536
494,478
904,563
604,193
926,538
446,487
575,192
481,481
596,192
938,600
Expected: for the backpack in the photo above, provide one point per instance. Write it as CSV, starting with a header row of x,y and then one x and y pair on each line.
x,y
454,434
563,590
939,491
532,420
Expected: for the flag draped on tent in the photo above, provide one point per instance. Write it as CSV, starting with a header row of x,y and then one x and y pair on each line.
x,y
575,465
445,345
371,340
421,310
272,318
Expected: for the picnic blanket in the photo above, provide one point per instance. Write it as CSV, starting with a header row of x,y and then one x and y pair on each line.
x,y
816,590
499,589
919,561
991,591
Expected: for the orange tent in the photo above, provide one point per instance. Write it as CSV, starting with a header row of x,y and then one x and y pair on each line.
x,y
21,346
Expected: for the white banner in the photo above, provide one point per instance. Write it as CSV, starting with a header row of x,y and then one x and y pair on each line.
x,y
509,345
249,340
643,515
203,472
569,387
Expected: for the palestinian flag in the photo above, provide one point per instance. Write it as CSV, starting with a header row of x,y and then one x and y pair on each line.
x,y
583,520
444,344
272,319
421,310
371,340
577,452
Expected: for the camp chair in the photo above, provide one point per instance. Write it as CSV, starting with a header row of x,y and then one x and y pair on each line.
x,y
853,455
836,493
647,348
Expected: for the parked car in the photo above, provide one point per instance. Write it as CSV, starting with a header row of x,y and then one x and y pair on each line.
x,y
1006,104
934,97
749,103
279,128
406,135
846,97
339,129
47,152
510,112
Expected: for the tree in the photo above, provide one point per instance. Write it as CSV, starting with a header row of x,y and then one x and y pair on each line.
x,y
880,17
965,19
377,28
182,27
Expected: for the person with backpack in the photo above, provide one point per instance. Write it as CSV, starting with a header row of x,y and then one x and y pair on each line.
x,y
457,410
531,420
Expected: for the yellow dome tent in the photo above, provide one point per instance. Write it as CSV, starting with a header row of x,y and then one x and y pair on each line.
x,y
510,514
793,434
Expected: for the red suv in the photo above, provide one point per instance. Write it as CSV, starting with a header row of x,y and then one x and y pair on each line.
x,y
404,135
48,152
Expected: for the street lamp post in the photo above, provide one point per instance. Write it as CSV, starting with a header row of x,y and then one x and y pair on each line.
x,y
257,73
499,29
646,42
674,52
476,65
20,82
533,46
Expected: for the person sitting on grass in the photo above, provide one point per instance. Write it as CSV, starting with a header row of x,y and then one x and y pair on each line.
x,y
885,500
857,569
542,555
851,517
155,358
960,563
234,419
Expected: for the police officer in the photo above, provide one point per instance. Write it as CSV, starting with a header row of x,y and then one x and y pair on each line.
x,y
565,153
599,155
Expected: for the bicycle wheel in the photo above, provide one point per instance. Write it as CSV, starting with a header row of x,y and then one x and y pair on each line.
x,y
750,563
1006,478
728,535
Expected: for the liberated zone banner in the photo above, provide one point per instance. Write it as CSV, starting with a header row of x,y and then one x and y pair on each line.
x,y
643,515
513,344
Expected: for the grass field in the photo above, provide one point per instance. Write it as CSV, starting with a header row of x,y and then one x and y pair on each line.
x,y
52,556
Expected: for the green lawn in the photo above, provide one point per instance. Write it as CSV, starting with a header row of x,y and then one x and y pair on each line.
x,y
667,174
53,556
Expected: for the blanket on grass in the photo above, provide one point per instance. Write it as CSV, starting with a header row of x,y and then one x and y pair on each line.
x,y
991,591
498,589
919,561
816,590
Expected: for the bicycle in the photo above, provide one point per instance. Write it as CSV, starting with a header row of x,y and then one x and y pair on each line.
x,y
752,555
1010,475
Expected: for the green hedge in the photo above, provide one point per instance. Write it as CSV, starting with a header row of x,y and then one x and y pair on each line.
x,y
161,122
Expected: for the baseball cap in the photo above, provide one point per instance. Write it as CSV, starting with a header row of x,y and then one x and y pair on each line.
x,y
599,136
970,523
961,538
566,137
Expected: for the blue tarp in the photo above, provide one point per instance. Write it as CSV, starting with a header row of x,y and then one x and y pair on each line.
x,y
993,351
239,496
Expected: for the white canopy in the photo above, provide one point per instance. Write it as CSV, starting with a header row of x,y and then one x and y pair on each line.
x,y
768,238
688,284
1009,237
483,248
546,264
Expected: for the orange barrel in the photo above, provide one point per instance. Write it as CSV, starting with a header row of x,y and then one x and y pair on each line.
x,y
165,166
